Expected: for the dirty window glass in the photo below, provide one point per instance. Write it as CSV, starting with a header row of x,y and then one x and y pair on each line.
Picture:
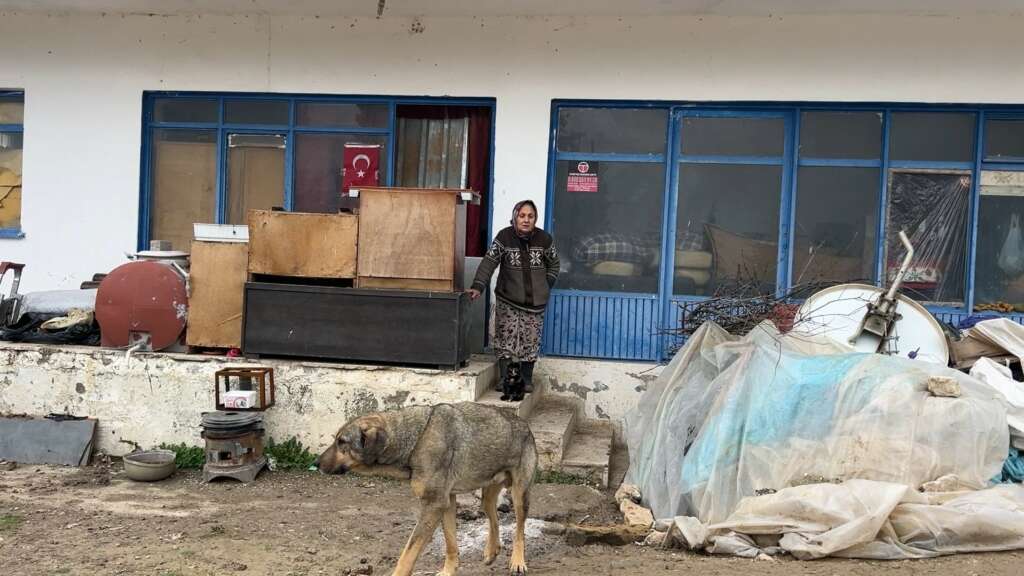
x,y
931,207
612,130
318,170
607,222
999,260
719,245
183,183
10,180
256,112
185,110
932,136
834,235
255,178
855,135
12,108
330,114
733,136
1004,140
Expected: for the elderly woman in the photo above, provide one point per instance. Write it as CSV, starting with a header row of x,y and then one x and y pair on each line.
x,y
529,268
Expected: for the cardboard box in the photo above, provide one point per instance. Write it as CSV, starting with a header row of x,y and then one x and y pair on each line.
x,y
240,399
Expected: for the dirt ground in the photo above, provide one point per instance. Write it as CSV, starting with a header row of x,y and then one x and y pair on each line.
x,y
66,521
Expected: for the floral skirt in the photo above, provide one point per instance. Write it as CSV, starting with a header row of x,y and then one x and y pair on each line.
x,y
517,333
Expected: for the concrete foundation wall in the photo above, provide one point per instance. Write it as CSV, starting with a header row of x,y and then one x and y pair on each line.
x,y
607,389
154,398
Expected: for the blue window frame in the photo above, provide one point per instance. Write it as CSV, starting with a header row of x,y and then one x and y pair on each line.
x,y
211,121
12,104
852,159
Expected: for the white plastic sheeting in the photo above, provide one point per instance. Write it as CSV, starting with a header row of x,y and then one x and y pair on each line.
x,y
836,443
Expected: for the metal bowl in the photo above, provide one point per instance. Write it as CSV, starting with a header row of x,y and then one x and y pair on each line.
x,y
149,465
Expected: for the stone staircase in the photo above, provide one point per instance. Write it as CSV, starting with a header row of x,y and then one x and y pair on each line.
x,y
567,442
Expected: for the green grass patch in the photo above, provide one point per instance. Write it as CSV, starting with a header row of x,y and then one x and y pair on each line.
x,y
186,456
289,455
10,522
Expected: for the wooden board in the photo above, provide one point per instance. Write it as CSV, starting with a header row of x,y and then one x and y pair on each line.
x,y
302,244
411,234
405,284
217,279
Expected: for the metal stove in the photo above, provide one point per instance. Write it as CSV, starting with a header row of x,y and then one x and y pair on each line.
x,y
234,445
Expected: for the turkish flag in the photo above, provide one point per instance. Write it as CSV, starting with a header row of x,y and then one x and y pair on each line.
x,y
361,166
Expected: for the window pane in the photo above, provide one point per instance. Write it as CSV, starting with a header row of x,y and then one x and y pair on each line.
x,y
932,136
609,237
183,184
727,227
932,208
255,112
841,135
255,174
733,136
836,224
999,264
432,153
612,130
318,159
184,110
12,110
1004,139
10,180
333,114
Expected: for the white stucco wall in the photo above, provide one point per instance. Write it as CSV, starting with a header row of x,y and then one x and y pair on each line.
x,y
84,75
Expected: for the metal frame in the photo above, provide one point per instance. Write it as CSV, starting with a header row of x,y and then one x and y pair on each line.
x,y
792,113
13,95
290,131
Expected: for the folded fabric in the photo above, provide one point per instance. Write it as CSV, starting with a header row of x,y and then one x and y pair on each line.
x,y
612,247
700,277
612,268
693,259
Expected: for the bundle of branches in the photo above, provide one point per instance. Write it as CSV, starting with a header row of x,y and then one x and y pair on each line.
x,y
739,306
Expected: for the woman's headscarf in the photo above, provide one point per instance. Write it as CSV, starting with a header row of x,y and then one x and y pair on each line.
x,y
515,213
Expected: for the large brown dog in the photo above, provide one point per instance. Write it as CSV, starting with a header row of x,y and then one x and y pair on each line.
x,y
444,450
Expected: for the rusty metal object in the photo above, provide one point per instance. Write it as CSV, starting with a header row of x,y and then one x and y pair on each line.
x,y
142,303
234,445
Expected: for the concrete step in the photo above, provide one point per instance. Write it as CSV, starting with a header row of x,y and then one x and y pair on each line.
x,y
552,425
524,408
589,453
486,368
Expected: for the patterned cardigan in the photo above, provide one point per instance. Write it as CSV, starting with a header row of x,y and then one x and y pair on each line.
x,y
528,269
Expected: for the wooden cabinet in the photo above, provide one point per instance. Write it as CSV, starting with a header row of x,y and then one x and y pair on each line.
x,y
412,238
302,245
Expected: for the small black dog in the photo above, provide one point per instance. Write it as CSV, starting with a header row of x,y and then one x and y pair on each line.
x,y
513,386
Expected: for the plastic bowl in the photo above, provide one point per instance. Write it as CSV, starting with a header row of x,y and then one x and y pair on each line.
x,y
149,465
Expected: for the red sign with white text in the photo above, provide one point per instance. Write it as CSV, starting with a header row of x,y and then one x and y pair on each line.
x,y
582,177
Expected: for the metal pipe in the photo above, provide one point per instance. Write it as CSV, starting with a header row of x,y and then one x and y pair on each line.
x,y
903,267
128,353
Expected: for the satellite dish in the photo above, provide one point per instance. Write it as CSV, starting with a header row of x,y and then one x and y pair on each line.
x,y
838,312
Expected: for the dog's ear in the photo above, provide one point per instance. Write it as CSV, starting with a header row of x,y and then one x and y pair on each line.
x,y
373,438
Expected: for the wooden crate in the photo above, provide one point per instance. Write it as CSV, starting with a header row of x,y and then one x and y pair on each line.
x,y
412,239
217,280
303,245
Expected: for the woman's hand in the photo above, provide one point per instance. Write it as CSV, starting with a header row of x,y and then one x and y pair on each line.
x,y
474,293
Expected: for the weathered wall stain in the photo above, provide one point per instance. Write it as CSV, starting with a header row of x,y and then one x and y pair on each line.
x,y
156,398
